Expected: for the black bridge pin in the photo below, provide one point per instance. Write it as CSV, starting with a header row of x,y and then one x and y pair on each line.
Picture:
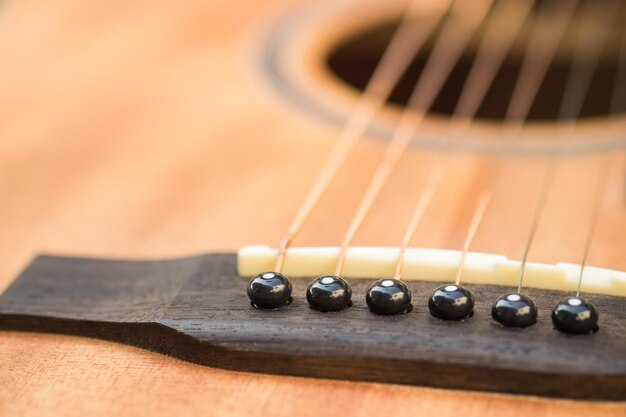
x,y
329,293
269,290
514,310
388,296
451,302
575,315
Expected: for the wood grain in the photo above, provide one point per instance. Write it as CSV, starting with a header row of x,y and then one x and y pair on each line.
x,y
132,130
196,309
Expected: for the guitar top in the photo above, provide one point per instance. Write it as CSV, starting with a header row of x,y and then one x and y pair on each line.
x,y
425,147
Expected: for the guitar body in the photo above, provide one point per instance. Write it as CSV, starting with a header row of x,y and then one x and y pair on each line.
x,y
147,130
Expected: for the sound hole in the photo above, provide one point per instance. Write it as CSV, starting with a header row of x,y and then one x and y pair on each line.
x,y
354,59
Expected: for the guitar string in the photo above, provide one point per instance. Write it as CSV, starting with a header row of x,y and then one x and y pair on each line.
x,y
535,63
421,206
519,108
479,214
398,54
615,106
593,219
543,44
455,34
540,51
493,48
578,80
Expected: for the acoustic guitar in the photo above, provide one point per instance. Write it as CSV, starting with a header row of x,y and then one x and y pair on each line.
x,y
313,208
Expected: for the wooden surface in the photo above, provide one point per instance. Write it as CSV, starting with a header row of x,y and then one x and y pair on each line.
x,y
134,130
195,309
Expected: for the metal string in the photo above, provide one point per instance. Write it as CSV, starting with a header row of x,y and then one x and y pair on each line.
x,y
540,51
492,50
479,213
463,20
618,94
426,196
398,54
576,87
542,47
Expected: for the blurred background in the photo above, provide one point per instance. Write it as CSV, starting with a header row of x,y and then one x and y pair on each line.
x,y
148,129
